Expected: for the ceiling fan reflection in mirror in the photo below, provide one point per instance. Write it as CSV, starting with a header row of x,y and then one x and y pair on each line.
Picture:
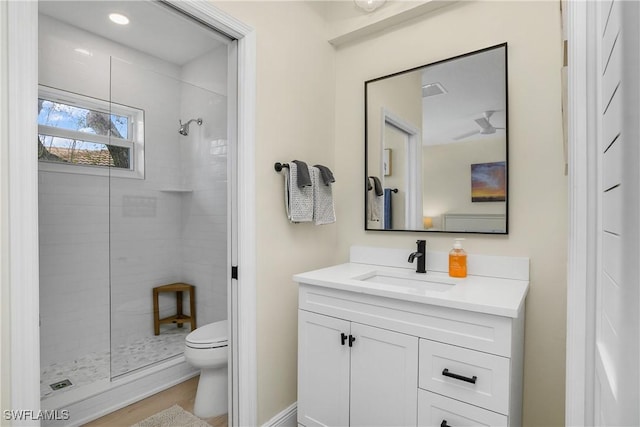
x,y
486,128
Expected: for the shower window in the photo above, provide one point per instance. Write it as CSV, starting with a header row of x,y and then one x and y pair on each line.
x,y
80,134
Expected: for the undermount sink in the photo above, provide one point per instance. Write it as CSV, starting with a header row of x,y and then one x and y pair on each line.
x,y
425,283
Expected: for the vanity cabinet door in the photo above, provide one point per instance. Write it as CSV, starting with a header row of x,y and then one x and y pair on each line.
x,y
323,370
384,377
354,374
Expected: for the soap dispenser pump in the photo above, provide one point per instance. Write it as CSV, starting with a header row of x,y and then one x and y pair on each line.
x,y
457,260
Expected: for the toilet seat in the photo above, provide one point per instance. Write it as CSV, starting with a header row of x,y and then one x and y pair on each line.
x,y
213,335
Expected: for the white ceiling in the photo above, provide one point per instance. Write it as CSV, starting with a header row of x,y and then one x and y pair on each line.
x,y
474,84
153,28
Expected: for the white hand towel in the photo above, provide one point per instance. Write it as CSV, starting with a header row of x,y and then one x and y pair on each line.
x,y
298,201
323,208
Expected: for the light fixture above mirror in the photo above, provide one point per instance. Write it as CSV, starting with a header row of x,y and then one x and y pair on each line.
x,y
369,5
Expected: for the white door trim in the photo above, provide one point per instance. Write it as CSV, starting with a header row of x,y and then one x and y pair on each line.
x,y
413,178
21,119
582,152
22,198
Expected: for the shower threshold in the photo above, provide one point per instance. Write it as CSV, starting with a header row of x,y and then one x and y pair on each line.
x,y
124,359
91,401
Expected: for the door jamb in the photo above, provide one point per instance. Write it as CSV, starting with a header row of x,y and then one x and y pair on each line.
x,y
581,275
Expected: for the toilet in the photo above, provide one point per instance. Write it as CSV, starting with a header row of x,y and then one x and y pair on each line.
x,y
207,348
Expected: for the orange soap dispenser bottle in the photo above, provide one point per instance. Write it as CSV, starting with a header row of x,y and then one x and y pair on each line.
x,y
457,260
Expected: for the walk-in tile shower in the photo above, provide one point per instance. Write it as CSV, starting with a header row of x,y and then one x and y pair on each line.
x,y
129,199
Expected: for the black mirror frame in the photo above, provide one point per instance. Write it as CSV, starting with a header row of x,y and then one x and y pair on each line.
x,y
366,138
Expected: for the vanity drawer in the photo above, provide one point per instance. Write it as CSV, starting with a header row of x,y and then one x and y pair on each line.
x,y
450,371
439,411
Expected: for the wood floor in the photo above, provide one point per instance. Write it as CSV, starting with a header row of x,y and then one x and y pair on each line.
x,y
182,394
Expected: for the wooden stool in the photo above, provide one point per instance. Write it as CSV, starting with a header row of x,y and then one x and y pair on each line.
x,y
179,318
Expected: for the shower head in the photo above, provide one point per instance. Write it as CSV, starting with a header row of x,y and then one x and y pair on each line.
x,y
184,127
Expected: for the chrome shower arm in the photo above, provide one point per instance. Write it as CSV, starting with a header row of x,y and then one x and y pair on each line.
x,y
184,127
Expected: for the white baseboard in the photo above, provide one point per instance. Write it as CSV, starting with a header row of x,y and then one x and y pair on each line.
x,y
287,418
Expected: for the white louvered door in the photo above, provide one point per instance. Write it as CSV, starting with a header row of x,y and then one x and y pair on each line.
x,y
616,329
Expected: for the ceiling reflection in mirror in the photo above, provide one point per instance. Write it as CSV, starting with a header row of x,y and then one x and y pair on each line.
x,y
436,146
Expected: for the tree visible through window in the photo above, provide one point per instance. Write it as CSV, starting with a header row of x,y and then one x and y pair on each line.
x,y
78,130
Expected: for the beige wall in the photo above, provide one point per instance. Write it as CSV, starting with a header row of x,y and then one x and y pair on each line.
x,y
400,96
538,188
295,85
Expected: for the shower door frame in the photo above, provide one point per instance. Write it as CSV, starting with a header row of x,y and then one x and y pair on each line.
x,y
19,82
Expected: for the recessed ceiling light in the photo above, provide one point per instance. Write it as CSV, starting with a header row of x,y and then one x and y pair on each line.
x,y
119,18
83,51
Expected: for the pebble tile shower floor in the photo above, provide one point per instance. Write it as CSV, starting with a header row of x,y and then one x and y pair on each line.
x,y
126,357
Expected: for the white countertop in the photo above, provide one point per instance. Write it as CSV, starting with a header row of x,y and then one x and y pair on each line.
x,y
490,295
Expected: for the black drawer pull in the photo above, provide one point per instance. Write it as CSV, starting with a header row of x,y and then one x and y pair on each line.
x,y
444,424
471,380
351,340
343,337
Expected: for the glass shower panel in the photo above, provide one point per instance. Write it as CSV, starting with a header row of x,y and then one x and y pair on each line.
x,y
168,217
73,211
74,280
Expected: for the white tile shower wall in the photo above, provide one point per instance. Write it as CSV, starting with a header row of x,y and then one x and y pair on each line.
x,y
204,155
74,267
208,71
145,220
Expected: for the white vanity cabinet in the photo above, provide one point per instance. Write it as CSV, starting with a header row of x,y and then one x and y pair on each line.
x,y
354,374
416,358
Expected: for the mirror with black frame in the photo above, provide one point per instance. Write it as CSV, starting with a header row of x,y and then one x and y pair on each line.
x,y
436,142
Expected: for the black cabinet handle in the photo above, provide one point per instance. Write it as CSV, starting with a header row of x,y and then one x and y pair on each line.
x,y
343,337
444,424
472,380
351,340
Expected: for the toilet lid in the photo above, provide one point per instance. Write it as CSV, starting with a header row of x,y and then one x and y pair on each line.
x,y
213,333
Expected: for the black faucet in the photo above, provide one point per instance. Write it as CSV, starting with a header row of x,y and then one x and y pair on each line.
x,y
421,254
